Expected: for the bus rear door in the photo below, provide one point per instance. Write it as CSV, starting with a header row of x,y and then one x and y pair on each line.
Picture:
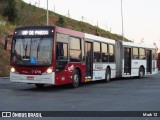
x,y
127,61
149,61
89,59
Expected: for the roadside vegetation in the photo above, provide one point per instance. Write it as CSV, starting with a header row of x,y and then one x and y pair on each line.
x,y
16,13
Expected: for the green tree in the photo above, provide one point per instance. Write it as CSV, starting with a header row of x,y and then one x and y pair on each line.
x,y
10,10
60,22
2,6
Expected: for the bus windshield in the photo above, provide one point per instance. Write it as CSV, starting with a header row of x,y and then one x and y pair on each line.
x,y
31,51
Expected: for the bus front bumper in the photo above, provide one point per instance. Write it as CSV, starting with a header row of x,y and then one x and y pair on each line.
x,y
33,79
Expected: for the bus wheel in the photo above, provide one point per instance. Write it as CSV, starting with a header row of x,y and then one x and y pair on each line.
x,y
75,79
141,72
108,75
39,85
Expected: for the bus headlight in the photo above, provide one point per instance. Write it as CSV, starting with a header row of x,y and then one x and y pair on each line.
x,y
13,69
49,70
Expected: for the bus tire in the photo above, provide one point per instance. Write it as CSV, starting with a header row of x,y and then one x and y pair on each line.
x,y
39,85
141,72
108,75
75,79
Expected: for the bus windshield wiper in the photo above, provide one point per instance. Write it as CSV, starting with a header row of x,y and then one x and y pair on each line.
x,y
38,46
38,50
25,51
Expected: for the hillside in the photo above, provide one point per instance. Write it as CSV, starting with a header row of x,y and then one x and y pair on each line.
x,y
27,14
16,13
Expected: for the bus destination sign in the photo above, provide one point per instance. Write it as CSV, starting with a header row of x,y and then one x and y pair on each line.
x,y
34,32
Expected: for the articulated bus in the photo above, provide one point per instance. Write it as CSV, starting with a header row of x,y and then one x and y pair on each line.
x,y
53,55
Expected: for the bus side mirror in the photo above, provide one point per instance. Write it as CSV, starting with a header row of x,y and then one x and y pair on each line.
x,y
6,45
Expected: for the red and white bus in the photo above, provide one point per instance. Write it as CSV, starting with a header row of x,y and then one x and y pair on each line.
x,y
43,55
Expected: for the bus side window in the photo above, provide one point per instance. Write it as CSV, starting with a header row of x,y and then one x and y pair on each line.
x,y
75,49
97,52
135,53
142,53
111,53
62,51
154,54
104,52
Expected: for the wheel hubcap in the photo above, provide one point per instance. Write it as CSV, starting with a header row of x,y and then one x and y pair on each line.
x,y
141,73
107,77
76,78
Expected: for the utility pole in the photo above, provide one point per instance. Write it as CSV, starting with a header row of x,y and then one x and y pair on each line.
x,y
122,20
47,12
97,24
54,8
82,18
68,14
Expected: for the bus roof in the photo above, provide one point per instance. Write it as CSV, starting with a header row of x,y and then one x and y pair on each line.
x,y
69,32
98,38
142,45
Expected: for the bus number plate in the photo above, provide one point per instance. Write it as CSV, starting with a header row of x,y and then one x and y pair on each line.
x,y
30,77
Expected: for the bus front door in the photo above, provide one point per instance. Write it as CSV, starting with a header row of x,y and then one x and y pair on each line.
x,y
149,61
127,61
89,59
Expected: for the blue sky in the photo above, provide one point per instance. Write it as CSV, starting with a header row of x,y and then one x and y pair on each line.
x,y
141,17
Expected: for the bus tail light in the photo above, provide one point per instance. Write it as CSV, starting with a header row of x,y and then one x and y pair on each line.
x,y
49,70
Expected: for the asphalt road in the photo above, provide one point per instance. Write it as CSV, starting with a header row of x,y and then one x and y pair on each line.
x,y
117,95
